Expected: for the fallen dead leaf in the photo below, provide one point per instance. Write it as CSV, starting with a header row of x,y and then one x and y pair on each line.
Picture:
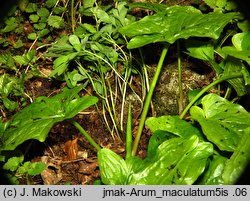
x,y
52,174
71,149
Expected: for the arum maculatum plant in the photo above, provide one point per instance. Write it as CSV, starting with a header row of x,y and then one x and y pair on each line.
x,y
178,151
167,26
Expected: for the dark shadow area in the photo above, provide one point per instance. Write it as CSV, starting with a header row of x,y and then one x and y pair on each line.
x,y
244,7
5,7
245,177
3,178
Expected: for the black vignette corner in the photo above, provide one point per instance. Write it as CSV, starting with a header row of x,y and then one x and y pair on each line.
x,y
5,7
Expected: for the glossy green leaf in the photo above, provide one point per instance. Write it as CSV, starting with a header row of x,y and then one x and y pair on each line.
x,y
213,174
32,36
221,5
88,3
234,66
10,85
173,124
135,165
236,165
244,26
43,12
200,50
89,27
62,62
43,33
113,168
241,41
241,49
175,23
232,51
34,18
103,16
7,61
21,60
31,8
177,161
221,121
156,139
36,120
8,104
60,48
246,75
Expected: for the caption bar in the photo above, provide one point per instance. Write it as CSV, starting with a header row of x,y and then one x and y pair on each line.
x,y
240,193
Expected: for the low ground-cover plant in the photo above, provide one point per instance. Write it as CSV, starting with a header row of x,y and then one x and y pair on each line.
x,y
17,168
94,50
24,31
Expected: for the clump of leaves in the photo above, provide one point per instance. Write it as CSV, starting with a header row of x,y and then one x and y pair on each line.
x,y
221,5
40,21
231,120
179,153
93,52
16,166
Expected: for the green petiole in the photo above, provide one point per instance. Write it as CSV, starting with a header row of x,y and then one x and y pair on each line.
x,y
148,99
204,90
88,137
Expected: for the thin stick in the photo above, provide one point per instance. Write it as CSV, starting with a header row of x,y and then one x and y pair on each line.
x,y
129,133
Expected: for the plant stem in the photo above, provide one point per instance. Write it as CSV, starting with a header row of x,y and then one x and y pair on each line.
x,y
72,16
148,99
180,99
204,90
145,77
129,133
88,137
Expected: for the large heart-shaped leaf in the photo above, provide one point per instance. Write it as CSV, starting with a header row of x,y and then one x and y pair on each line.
x,y
166,127
174,23
221,121
177,161
113,168
36,120
173,124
